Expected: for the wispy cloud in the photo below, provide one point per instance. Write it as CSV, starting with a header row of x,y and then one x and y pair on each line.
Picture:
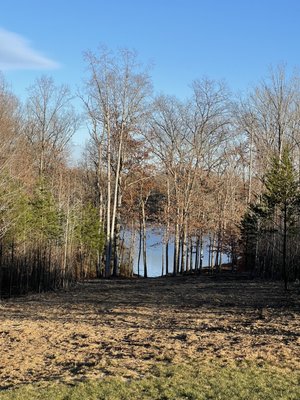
x,y
16,52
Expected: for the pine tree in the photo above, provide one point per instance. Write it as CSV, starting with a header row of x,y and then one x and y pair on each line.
x,y
282,198
89,233
46,218
275,215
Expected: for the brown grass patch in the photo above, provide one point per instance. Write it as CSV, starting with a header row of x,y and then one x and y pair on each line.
x,y
122,328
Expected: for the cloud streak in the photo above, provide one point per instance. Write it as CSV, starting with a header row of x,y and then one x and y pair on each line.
x,y
16,53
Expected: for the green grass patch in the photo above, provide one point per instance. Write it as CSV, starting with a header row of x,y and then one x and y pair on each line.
x,y
191,382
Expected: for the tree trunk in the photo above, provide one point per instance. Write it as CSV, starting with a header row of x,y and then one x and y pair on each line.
x,y
140,246
181,265
284,248
117,237
100,232
64,266
176,247
132,248
250,169
162,261
144,240
117,197
167,232
108,221
167,256
191,254
211,253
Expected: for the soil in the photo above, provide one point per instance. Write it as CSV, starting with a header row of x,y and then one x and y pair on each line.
x,y
123,327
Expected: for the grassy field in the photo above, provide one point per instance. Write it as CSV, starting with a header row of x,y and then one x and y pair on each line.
x,y
191,382
177,338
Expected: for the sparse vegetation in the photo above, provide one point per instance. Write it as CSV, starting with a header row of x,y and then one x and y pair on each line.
x,y
164,338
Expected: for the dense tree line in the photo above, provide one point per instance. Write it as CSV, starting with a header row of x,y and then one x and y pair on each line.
x,y
211,170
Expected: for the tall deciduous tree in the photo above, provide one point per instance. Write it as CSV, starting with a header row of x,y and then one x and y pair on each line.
x,y
116,101
269,118
50,123
189,138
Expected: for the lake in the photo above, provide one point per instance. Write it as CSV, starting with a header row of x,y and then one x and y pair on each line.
x,y
154,255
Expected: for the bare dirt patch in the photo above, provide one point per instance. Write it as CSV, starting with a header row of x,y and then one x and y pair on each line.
x,y
124,327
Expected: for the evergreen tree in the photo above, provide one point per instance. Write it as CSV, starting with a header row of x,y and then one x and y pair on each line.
x,y
272,220
282,198
46,219
89,234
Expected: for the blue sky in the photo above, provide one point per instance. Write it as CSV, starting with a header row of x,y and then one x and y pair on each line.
x,y
184,39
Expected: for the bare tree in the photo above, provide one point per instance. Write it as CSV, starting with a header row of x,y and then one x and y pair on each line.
x,y
50,122
269,118
116,97
189,138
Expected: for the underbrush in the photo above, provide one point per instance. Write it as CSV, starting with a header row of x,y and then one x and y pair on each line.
x,y
213,381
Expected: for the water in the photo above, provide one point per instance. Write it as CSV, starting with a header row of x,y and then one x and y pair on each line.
x,y
154,255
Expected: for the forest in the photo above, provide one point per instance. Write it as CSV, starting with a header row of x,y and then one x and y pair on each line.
x,y
216,166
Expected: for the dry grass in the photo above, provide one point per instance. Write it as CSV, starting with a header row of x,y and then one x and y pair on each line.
x,y
122,328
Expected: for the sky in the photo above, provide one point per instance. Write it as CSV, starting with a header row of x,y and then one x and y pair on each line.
x,y
234,40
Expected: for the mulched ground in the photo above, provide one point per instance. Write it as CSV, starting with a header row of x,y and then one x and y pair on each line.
x,y
124,327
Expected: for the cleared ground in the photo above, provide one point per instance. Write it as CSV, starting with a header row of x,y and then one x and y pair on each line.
x,y
125,327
